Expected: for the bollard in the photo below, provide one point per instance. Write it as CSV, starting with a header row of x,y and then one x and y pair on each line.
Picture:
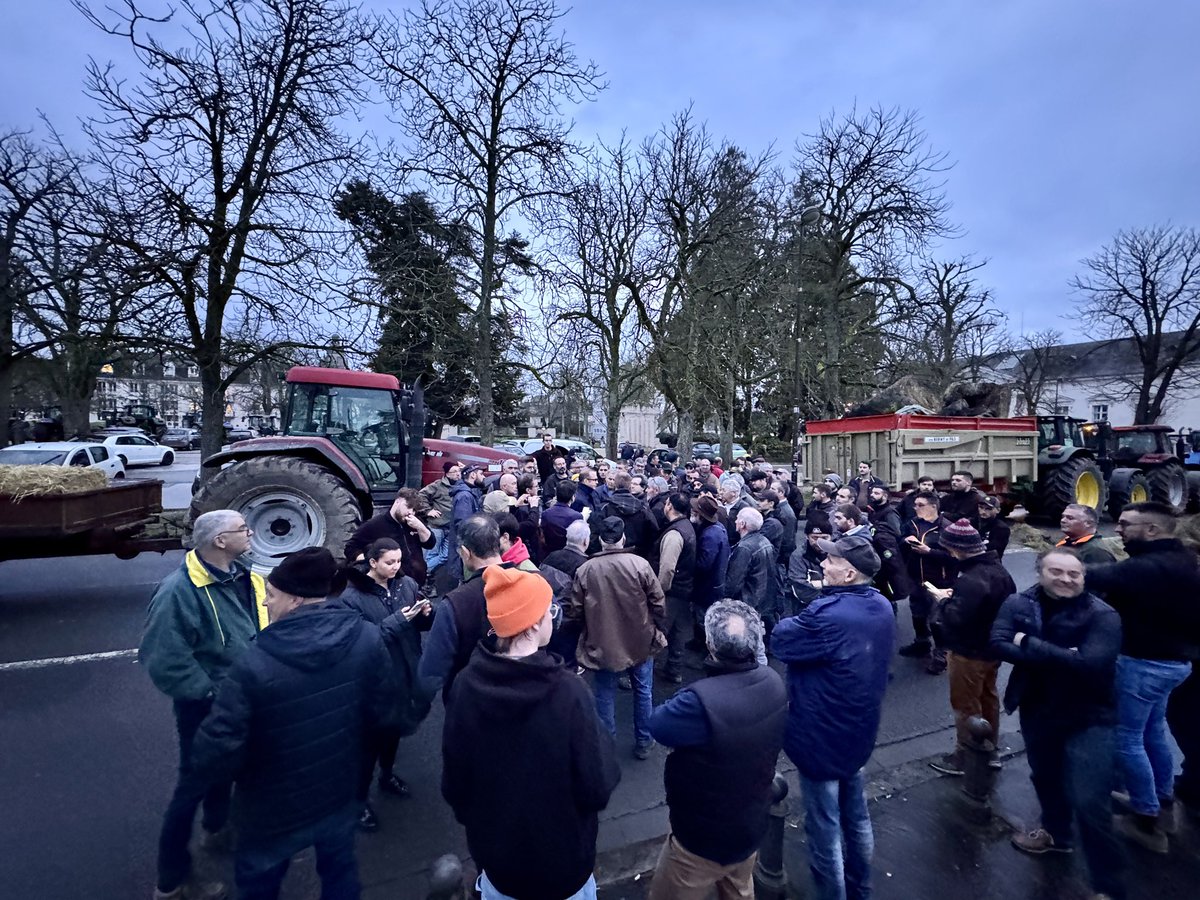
x,y
769,878
446,879
979,775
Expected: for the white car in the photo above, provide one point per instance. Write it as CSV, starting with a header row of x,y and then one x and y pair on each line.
x,y
138,450
64,453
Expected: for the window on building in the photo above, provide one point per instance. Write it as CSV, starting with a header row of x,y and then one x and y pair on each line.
x,y
1062,409
1099,412
168,370
193,371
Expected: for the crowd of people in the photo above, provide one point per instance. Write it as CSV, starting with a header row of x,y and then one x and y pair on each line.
x,y
532,597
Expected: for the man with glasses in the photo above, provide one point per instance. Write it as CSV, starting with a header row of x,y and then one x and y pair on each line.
x,y
201,618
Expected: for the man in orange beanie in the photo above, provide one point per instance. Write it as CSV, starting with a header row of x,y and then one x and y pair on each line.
x,y
523,752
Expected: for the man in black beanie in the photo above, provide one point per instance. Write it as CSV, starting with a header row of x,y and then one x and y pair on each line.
x,y
309,690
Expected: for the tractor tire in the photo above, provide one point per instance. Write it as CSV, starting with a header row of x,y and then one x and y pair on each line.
x,y
1193,492
288,503
1168,484
1124,487
1077,481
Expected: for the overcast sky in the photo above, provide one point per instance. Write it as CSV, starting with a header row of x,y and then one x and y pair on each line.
x,y
1066,119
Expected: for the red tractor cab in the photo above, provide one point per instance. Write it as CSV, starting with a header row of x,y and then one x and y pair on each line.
x,y
348,441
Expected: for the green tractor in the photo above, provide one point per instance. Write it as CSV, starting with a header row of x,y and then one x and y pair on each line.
x,y
1068,471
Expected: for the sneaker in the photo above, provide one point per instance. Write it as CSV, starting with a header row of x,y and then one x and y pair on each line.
x,y
950,764
368,821
936,664
1142,831
642,751
1039,841
393,784
916,649
195,890
625,683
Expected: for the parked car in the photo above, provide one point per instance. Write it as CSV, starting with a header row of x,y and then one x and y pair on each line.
x,y
511,447
702,450
181,439
138,450
64,453
464,438
235,433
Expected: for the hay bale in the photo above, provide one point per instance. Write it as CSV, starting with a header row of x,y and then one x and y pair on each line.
x,y
20,482
1031,537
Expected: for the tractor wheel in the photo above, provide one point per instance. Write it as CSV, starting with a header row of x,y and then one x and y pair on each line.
x,y
1126,486
1168,483
288,503
1193,492
1078,480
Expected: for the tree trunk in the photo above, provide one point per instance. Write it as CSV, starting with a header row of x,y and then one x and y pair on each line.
x,y
612,419
212,410
687,430
7,381
727,425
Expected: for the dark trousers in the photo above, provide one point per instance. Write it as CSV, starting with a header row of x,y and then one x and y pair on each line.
x,y
381,749
920,604
174,861
261,864
1183,718
678,629
1073,775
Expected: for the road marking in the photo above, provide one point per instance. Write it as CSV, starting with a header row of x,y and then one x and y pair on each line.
x,y
66,660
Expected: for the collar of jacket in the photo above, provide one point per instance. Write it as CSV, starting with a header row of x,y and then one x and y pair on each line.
x,y
1162,545
970,562
831,589
714,667
1075,542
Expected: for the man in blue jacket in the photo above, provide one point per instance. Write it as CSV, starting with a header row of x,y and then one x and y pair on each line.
x,y
289,725
837,651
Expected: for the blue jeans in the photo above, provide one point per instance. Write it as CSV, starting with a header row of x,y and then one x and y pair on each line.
x,y
261,865
840,840
439,552
488,891
643,702
1143,688
1072,774
174,860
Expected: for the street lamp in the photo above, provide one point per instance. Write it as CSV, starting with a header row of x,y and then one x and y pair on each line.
x,y
809,216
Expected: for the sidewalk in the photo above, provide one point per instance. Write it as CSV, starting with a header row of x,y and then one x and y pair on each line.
x,y
927,845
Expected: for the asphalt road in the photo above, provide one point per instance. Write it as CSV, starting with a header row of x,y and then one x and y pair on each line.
x,y
89,746
176,478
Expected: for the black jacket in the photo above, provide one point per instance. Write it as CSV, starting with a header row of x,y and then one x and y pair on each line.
x,y
565,560
753,576
1064,671
382,608
719,792
995,533
787,518
641,528
819,517
412,563
963,623
1157,593
936,566
290,721
526,767
957,505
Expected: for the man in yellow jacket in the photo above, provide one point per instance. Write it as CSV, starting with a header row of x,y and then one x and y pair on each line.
x,y
202,616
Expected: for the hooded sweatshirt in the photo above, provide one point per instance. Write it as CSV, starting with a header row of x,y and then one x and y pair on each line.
x,y
289,722
526,768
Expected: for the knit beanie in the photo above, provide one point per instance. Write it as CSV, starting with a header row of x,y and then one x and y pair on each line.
x,y
516,600
306,573
961,536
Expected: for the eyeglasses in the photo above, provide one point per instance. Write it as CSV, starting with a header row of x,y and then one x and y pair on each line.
x,y
245,529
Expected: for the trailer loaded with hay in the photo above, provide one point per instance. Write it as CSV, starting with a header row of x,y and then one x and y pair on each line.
x,y
48,511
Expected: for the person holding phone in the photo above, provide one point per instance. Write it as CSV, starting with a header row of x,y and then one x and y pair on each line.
x,y
928,565
378,590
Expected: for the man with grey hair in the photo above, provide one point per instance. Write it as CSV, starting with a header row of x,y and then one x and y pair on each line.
x,y
1078,524
732,494
753,575
201,618
725,732
657,490
574,554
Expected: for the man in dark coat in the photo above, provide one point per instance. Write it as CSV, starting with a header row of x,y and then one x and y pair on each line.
x,y
402,523
892,581
1063,643
962,500
725,732
992,528
860,487
466,499
676,574
641,529
927,563
712,554
818,516
752,576
558,517
574,553
545,456
289,725
1079,525
526,766
965,614
837,652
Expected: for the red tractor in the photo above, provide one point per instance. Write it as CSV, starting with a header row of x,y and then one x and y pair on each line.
x,y
1140,463
348,441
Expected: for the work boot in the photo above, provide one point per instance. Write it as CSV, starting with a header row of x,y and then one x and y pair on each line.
x,y
393,784
950,764
916,650
936,663
195,890
1039,841
1168,818
1142,830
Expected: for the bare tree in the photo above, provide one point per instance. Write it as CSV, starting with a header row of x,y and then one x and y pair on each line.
x,y
953,328
1034,368
598,262
479,88
226,149
1145,286
879,184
